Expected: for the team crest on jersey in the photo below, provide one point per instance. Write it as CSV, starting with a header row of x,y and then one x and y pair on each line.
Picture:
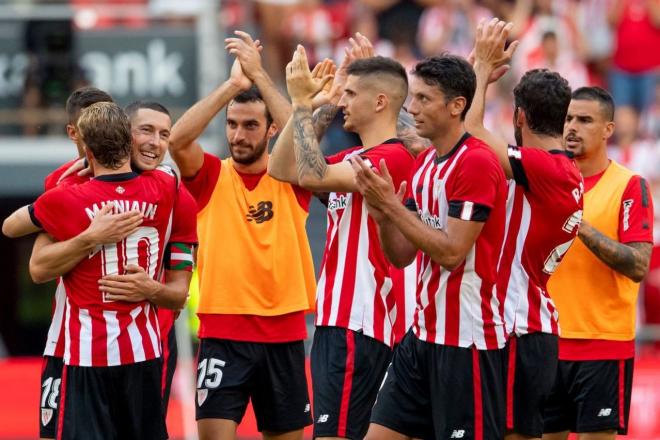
x,y
120,190
46,415
202,394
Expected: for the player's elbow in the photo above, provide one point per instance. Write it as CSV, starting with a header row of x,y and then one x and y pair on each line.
x,y
7,229
399,260
38,274
279,174
452,261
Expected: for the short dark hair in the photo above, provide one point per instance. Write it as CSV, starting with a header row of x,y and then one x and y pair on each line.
x,y
544,96
82,98
378,66
452,74
253,95
106,131
132,108
599,95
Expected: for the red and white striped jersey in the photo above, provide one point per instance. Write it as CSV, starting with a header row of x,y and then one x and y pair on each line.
x,y
183,230
354,283
99,332
543,213
460,307
55,338
403,299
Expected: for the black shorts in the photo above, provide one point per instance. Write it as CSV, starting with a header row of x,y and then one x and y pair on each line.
x,y
347,370
112,403
440,391
531,367
230,373
169,358
51,376
590,396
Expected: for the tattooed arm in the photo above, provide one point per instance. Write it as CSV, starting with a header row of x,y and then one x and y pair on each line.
x,y
282,162
630,259
313,172
322,118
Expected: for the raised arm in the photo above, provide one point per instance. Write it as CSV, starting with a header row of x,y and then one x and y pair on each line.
x,y
247,52
184,149
282,162
490,63
313,172
51,259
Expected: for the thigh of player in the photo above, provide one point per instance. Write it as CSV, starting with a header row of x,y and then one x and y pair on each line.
x,y
51,378
467,393
280,395
347,370
225,371
120,402
403,404
601,391
531,371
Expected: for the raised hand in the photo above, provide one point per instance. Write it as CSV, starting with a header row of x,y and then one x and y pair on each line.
x,y
489,49
247,51
238,78
328,93
300,83
360,47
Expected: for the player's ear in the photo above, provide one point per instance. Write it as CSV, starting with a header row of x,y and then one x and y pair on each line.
x,y
272,130
382,101
519,117
72,132
609,130
457,105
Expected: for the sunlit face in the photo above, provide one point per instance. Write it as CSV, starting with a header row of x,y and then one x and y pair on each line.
x,y
586,128
428,108
247,131
150,130
357,103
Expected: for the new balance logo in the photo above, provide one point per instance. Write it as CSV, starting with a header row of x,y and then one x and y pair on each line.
x,y
262,213
605,412
323,418
458,433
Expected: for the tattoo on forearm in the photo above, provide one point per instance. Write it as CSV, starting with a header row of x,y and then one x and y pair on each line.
x,y
631,260
309,158
322,119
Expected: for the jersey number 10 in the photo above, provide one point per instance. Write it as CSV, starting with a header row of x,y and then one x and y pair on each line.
x,y
141,248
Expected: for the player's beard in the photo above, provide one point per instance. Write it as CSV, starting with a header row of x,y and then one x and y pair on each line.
x,y
251,157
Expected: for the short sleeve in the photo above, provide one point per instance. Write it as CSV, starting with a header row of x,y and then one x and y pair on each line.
x,y
47,211
472,191
398,160
636,213
184,221
201,186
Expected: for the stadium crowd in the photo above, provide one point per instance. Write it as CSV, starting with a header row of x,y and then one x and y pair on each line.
x,y
485,245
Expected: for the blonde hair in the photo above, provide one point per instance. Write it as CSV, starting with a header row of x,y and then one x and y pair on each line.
x,y
106,131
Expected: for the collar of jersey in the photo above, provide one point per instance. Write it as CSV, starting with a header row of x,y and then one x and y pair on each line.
x,y
117,177
461,141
